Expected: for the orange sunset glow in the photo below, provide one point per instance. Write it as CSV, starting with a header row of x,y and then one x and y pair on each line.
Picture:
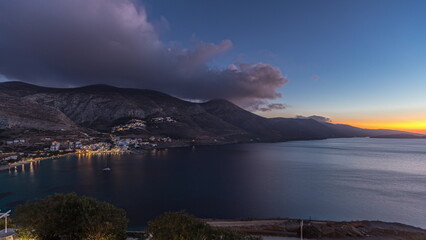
x,y
409,126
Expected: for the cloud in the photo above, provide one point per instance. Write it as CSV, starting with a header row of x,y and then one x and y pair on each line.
x,y
316,118
82,42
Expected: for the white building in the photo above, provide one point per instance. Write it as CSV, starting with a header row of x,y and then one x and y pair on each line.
x,y
55,146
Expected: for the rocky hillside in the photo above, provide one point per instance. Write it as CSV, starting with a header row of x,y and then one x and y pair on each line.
x,y
100,107
18,112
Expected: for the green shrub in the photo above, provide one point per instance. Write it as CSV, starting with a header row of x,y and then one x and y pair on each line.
x,y
70,217
182,226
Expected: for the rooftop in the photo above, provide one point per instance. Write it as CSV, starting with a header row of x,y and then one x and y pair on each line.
x,y
9,233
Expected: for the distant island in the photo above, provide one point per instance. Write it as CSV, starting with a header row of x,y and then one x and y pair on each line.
x,y
401,135
37,122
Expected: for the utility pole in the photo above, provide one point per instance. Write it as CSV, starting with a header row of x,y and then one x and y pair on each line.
x,y
301,230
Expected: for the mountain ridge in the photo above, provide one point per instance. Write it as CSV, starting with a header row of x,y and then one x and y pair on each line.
x,y
100,107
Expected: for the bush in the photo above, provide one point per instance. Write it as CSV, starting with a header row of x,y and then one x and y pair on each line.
x,y
70,217
182,226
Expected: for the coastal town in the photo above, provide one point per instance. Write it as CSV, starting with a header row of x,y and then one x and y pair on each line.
x,y
128,137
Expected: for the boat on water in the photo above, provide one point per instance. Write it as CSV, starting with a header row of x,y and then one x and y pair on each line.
x,y
107,166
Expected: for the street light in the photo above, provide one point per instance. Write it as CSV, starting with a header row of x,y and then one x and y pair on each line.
x,y
5,215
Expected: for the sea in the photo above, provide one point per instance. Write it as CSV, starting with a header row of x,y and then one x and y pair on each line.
x,y
334,179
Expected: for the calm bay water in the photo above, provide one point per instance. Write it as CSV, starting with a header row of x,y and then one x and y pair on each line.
x,y
336,179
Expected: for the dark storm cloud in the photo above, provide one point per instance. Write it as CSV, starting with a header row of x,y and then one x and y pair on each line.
x,y
81,42
315,117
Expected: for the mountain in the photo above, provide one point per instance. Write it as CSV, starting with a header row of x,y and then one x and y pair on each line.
x,y
401,135
18,112
253,125
274,129
343,130
101,107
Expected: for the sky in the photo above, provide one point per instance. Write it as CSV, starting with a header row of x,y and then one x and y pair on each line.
x,y
357,62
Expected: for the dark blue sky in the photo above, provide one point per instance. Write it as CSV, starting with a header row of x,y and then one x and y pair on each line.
x,y
361,62
368,56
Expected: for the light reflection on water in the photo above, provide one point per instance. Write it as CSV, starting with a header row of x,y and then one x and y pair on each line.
x,y
338,179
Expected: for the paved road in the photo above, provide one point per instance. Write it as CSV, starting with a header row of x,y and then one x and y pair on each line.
x,y
280,238
245,223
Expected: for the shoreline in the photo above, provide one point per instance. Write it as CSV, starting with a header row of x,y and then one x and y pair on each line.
x,y
28,161
322,229
289,228
180,145
133,151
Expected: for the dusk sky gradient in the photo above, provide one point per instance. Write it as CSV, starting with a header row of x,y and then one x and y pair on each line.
x,y
357,62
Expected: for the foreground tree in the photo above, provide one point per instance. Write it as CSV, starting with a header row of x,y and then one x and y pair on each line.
x,y
182,226
70,217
